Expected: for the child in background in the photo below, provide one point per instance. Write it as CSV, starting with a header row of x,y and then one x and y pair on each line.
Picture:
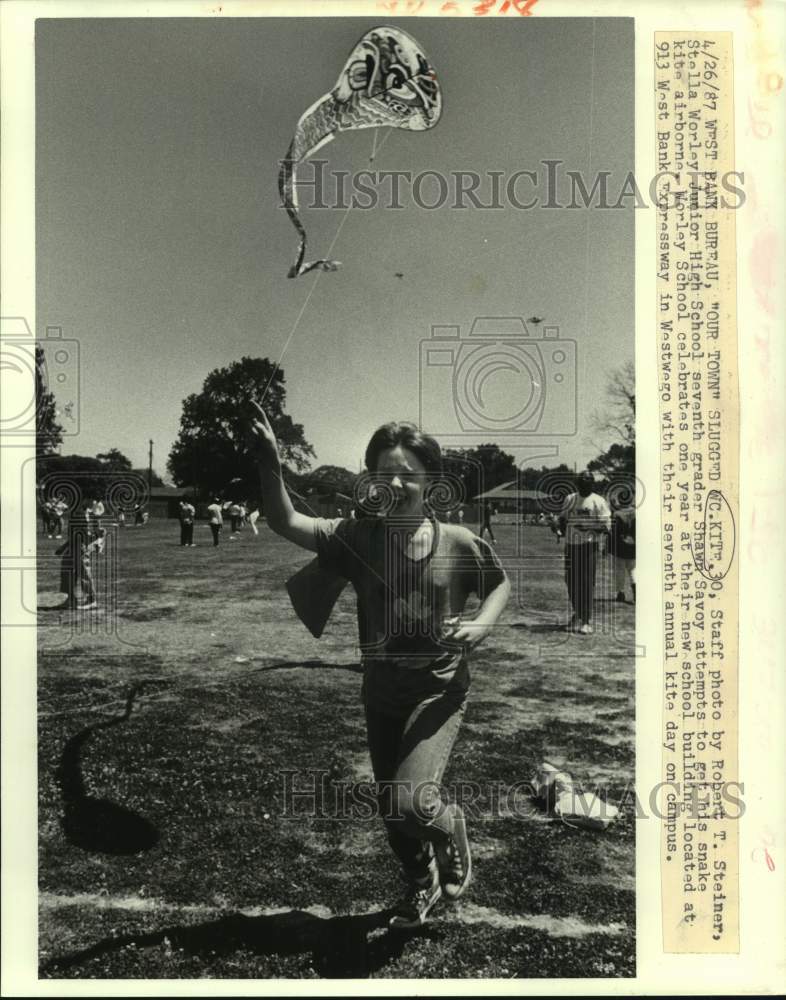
x,y
622,546
585,522
235,519
75,568
186,515
216,519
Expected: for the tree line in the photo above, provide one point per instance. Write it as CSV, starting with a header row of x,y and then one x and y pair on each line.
x,y
209,455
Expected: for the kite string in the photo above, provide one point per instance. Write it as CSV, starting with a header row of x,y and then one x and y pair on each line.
x,y
319,274
589,170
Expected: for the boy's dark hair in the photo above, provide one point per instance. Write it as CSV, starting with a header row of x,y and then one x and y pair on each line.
x,y
408,436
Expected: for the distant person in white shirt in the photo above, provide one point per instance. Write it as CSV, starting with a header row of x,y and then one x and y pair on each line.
x,y
186,515
235,518
94,513
216,519
585,520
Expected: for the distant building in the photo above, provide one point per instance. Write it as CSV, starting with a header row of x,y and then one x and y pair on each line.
x,y
164,501
321,502
509,499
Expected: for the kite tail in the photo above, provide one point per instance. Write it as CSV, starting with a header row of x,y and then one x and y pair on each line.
x,y
313,130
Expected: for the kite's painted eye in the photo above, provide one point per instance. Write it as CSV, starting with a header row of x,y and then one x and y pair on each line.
x,y
357,75
396,80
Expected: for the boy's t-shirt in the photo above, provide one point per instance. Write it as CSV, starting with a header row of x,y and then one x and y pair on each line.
x,y
404,605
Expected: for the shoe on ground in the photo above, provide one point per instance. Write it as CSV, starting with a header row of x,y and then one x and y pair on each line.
x,y
620,597
413,910
586,629
454,859
89,606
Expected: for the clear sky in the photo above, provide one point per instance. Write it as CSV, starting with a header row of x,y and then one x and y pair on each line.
x,y
161,245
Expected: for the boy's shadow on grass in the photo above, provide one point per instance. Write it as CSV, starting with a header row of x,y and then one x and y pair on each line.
x,y
539,627
95,824
354,667
62,605
341,947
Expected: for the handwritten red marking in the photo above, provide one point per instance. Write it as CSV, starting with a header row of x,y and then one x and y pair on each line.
x,y
761,129
771,82
522,7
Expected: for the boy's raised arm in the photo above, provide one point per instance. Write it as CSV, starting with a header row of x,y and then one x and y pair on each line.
x,y
279,512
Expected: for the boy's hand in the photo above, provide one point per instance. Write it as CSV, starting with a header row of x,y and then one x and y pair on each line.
x,y
469,634
262,442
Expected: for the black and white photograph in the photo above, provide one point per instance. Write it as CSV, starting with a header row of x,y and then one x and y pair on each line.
x,y
336,495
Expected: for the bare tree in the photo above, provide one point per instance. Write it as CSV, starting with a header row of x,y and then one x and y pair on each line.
x,y
617,420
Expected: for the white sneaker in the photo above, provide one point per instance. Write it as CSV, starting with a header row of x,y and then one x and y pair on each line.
x,y
415,907
454,859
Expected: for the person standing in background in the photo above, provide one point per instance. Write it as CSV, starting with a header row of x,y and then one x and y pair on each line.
x,y
95,512
216,519
585,520
187,514
622,546
59,507
235,517
47,517
75,568
485,522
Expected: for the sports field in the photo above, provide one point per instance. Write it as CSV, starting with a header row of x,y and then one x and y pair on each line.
x,y
170,848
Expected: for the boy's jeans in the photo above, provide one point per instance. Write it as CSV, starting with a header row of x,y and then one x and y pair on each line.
x,y
409,754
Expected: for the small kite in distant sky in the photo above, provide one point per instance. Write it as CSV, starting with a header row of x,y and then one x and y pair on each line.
x,y
387,80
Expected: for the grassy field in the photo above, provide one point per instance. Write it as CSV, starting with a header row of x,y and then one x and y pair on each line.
x,y
168,848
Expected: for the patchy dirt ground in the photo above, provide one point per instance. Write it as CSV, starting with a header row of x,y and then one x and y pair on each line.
x,y
169,847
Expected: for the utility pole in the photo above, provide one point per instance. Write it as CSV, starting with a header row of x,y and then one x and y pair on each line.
x,y
150,467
